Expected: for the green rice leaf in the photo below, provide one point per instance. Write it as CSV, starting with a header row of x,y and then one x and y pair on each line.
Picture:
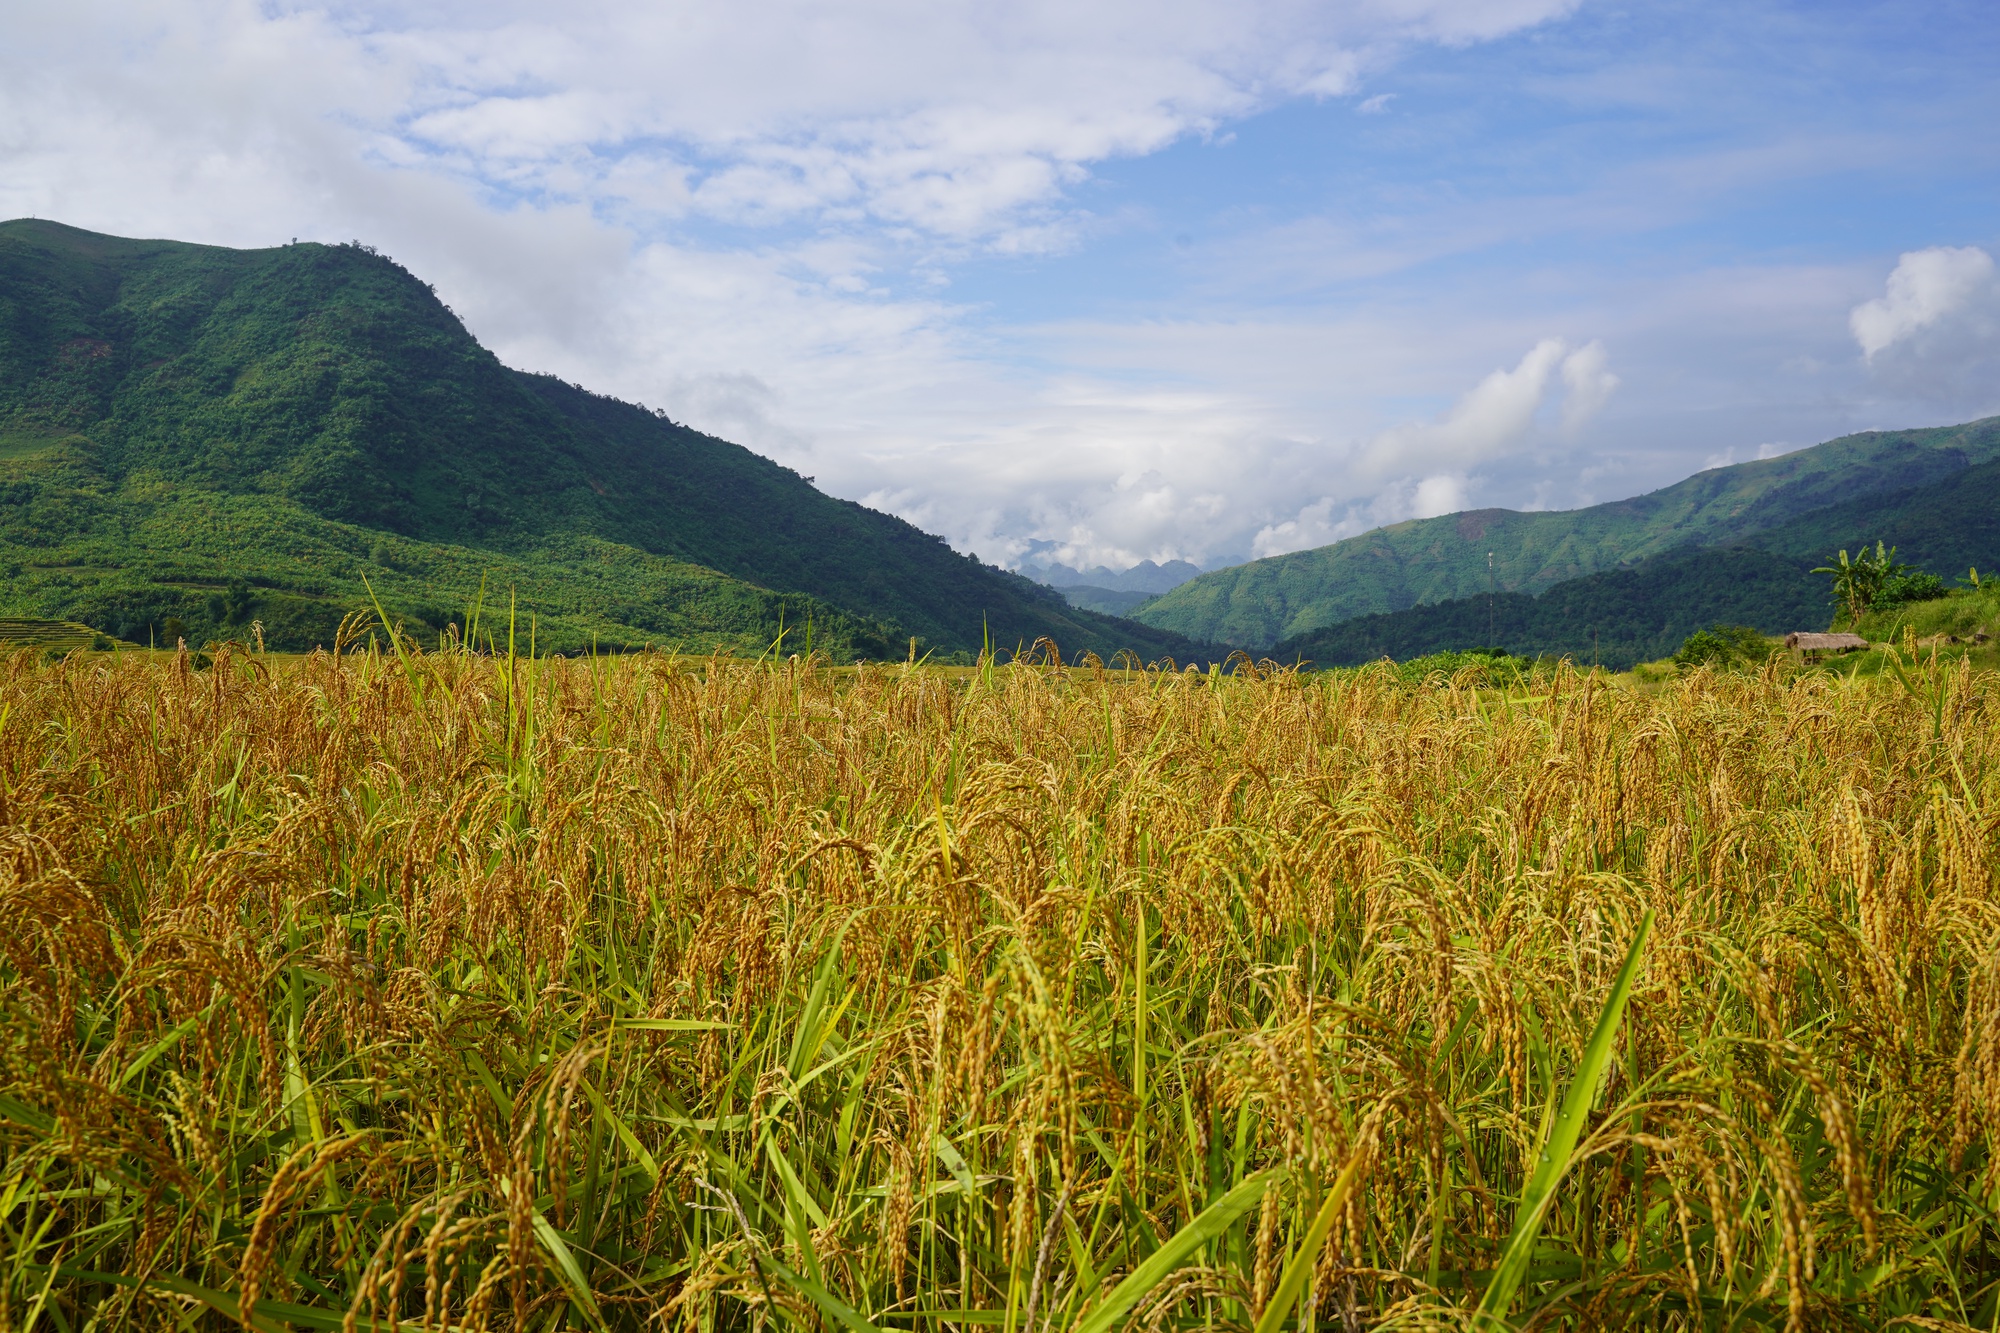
x,y
1555,1159
570,1271
1212,1222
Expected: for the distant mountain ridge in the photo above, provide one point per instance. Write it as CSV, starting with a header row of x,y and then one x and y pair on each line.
x,y
1144,577
1285,598
1113,592
212,436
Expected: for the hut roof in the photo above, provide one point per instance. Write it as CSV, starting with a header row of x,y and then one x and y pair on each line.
x,y
1825,643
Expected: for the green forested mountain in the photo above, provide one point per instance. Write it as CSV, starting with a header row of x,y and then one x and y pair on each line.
x,y
1946,526
1616,617
1643,612
218,435
1438,559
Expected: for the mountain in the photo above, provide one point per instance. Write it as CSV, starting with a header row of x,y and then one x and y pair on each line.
x,y
1643,612
1439,559
1144,577
1947,527
218,435
1617,617
1113,592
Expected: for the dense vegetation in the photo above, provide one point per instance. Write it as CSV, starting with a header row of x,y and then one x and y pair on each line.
x,y
1950,525
1725,646
656,993
220,444
1640,613
1962,614
1818,491
1617,618
174,417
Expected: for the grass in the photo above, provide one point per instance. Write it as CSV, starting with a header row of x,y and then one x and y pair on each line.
x,y
445,991
1961,627
1961,613
26,444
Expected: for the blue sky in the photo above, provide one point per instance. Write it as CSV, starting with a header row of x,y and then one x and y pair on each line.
x,y
1614,137
1174,279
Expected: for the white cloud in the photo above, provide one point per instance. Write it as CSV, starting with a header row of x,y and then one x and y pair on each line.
x,y
1926,288
965,121
1589,384
1495,414
1932,339
1425,469
1328,519
957,118
1442,494
1314,525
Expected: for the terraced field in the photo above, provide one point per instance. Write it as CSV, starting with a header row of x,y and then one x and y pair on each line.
x,y
61,635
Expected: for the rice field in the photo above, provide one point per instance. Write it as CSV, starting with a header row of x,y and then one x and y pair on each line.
x,y
446,991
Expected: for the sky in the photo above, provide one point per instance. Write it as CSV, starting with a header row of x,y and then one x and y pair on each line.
x,y
1181,279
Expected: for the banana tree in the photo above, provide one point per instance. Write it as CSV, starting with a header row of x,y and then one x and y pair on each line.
x,y
1857,582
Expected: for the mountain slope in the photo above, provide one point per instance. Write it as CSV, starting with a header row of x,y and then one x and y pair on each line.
x,y
174,415
1435,560
1643,612
1616,617
1947,527
1108,601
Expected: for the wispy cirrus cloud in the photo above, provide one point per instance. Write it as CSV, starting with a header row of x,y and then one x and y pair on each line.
x,y
958,119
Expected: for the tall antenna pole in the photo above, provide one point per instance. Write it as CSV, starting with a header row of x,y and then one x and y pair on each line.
x,y
1490,636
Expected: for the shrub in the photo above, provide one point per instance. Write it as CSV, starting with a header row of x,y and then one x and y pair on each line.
x,y
1495,663
1905,586
1877,581
1723,646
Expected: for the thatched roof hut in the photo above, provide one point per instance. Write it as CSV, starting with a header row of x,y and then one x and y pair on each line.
x,y
1813,644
